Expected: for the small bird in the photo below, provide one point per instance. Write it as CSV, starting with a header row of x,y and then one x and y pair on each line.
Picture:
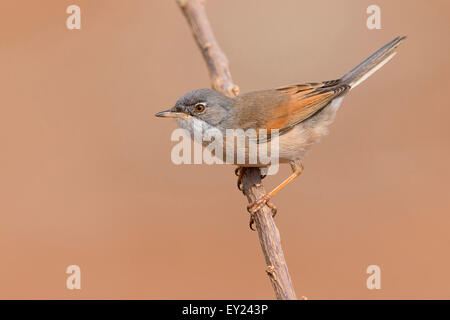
x,y
301,113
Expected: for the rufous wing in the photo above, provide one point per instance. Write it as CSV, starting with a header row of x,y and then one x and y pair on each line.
x,y
304,101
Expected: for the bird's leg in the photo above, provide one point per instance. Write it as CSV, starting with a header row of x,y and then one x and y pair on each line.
x,y
253,207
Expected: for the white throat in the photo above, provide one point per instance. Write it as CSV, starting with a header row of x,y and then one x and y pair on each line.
x,y
194,125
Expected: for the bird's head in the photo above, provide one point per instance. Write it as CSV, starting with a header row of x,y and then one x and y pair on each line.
x,y
207,105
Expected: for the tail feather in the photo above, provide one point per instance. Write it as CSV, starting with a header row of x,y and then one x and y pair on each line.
x,y
378,59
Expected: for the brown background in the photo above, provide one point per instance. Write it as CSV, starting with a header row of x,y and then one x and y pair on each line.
x,y
85,169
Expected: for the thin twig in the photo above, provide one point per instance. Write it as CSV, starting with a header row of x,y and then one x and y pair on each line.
x,y
269,237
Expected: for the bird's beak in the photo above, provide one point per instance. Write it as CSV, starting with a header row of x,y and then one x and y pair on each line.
x,y
171,114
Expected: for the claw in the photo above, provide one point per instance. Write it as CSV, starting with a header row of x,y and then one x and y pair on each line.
x,y
239,171
251,223
239,185
273,208
253,207
258,204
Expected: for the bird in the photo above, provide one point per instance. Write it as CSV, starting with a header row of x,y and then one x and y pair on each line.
x,y
300,113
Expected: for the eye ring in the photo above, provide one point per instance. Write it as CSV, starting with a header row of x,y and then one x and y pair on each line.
x,y
200,107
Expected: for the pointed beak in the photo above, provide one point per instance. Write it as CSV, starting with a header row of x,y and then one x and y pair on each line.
x,y
171,114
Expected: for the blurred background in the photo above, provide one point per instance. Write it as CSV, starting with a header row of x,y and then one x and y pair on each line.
x,y
86,175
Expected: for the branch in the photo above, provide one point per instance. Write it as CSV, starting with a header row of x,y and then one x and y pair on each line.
x,y
217,62
219,71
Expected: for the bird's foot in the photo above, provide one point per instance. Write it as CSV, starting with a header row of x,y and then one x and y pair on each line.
x,y
257,205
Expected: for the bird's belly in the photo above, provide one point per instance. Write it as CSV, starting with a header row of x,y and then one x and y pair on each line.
x,y
293,145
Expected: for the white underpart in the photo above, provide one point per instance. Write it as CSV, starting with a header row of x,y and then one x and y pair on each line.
x,y
376,68
195,126
335,104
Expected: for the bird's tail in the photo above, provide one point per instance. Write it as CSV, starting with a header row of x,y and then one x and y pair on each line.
x,y
368,67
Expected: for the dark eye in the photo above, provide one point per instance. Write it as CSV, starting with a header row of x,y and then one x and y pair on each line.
x,y
199,107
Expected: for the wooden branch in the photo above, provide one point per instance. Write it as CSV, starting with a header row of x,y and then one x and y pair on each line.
x,y
219,71
269,238
217,62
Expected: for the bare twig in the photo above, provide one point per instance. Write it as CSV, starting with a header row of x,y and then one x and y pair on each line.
x,y
219,71
216,60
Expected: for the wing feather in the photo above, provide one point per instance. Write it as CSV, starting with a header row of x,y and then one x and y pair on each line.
x,y
285,107
305,101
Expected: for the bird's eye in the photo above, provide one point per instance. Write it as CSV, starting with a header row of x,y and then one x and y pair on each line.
x,y
199,107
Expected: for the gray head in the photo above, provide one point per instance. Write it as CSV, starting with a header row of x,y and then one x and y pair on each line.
x,y
205,104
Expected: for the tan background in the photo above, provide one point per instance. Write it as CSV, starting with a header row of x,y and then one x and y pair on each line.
x,y
86,176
